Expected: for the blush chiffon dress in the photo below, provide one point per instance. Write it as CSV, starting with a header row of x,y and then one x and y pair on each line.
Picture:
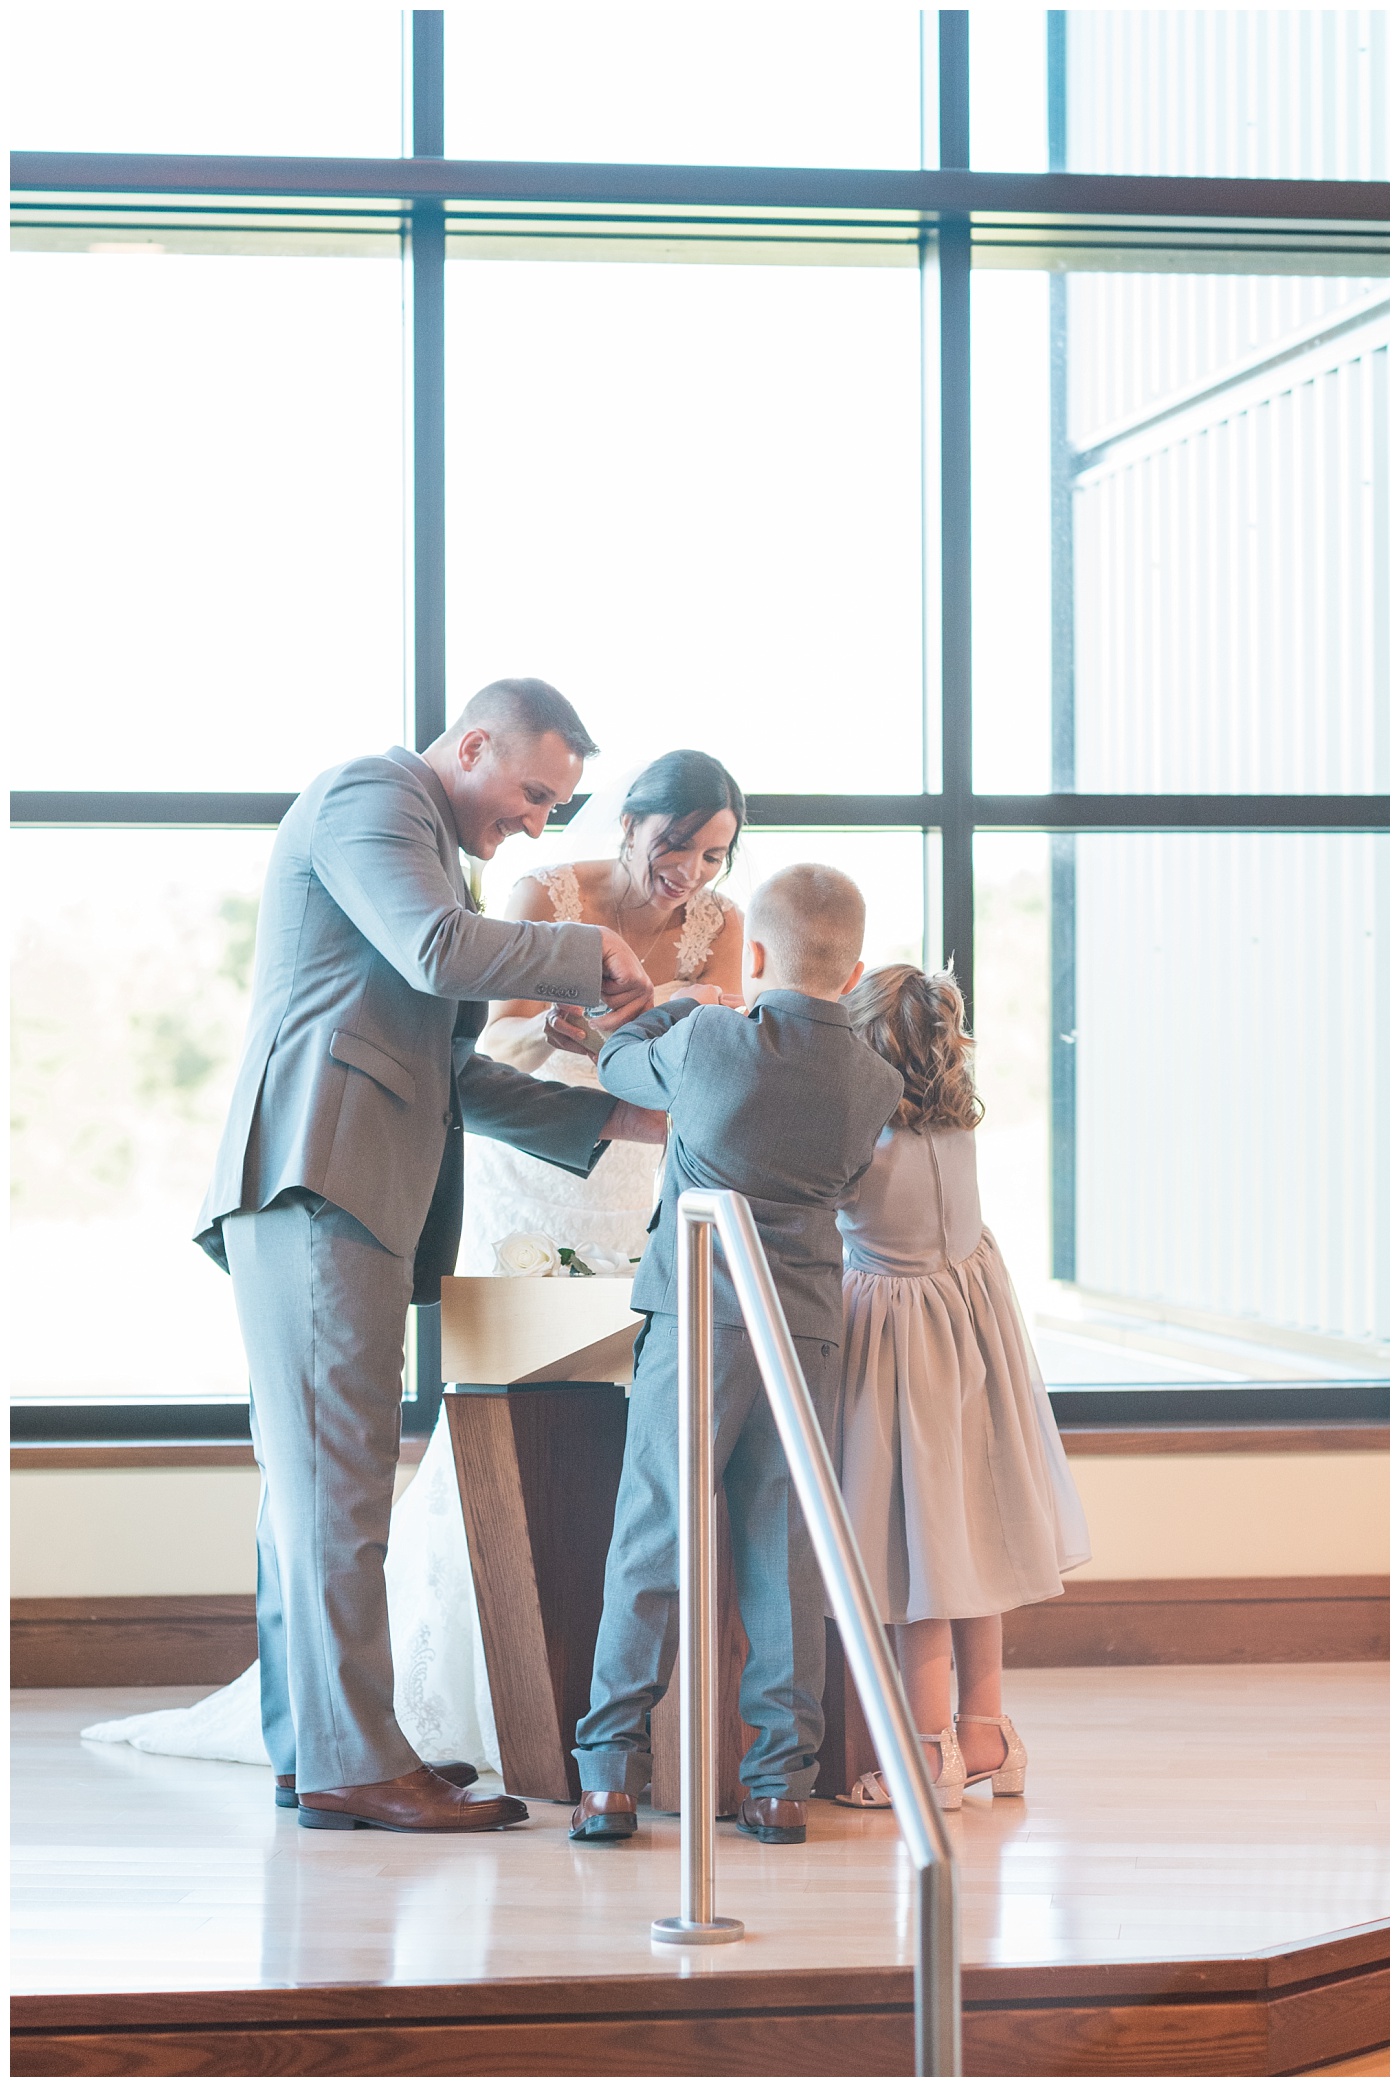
x,y
951,1465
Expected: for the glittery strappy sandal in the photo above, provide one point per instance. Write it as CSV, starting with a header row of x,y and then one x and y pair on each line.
x,y
870,1794
1010,1779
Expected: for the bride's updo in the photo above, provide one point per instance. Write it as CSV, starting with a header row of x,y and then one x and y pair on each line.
x,y
687,789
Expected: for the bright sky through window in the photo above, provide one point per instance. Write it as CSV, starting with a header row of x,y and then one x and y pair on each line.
x,y
310,81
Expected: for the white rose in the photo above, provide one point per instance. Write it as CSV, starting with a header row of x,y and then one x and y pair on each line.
x,y
527,1253
604,1260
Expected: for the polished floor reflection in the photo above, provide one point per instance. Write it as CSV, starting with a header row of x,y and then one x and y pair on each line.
x,y
1170,1812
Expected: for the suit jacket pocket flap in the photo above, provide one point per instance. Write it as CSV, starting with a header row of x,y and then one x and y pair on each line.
x,y
368,1058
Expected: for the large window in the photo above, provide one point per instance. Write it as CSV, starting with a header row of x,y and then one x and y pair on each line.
x,y
206,79
132,957
1189,1181
1186,472
1269,93
702,519
209,575
1019,545
687,84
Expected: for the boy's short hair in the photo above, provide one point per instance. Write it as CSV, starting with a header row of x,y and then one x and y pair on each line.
x,y
811,920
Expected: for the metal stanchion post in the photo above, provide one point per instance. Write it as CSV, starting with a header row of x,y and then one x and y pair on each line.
x,y
937,1974
697,1923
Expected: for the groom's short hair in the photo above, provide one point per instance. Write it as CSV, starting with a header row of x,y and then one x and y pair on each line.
x,y
811,920
524,708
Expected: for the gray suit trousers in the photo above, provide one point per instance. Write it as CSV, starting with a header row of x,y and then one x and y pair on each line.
x,y
775,1570
322,1307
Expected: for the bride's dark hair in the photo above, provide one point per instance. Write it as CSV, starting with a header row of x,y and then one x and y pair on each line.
x,y
687,789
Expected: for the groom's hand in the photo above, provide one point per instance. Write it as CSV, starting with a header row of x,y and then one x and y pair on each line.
x,y
640,1126
626,987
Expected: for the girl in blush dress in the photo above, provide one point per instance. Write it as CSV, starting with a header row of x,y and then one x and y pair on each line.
x,y
951,1466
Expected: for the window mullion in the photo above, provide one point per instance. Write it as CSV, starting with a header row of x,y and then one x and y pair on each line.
x,y
426,319
955,504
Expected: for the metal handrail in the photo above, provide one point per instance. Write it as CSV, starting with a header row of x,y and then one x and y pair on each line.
x,y
937,1975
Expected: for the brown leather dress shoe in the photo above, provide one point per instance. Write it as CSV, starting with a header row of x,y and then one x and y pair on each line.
x,y
462,1773
782,1821
604,1815
419,1802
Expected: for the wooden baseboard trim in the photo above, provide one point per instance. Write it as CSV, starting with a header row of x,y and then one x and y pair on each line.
x,y
135,1641
1169,1623
1257,1438
1271,1438
1273,2013
184,1640
158,1456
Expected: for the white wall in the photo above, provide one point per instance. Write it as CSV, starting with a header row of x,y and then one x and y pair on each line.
x,y
1226,1517
1150,1517
135,1532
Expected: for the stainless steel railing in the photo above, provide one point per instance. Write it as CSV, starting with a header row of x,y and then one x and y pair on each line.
x,y
937,1979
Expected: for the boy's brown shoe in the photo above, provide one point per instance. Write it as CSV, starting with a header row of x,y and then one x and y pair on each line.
x,y
781,1821
604,1815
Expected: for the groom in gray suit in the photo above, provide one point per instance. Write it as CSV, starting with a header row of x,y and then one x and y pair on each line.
x,y
337,1193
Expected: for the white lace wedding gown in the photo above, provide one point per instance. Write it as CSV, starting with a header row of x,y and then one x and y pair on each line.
x,y
441,1696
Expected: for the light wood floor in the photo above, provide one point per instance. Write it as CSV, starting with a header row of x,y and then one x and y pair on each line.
x,y
1372,2065
1171,1812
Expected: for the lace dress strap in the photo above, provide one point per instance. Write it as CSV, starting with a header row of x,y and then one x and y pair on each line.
x,y
561,882
700,930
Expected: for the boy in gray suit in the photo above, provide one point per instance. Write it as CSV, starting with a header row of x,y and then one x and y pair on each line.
x,y
783,1104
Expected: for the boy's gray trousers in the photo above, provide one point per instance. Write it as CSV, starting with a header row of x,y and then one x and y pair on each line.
x,y
779,1587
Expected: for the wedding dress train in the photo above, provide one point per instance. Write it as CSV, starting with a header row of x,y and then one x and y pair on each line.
x,y
441,1697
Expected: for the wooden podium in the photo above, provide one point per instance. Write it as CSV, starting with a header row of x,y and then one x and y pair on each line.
x,y
537,1435
538,1425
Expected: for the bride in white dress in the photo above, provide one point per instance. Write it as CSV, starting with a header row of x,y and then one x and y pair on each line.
x,y
672,830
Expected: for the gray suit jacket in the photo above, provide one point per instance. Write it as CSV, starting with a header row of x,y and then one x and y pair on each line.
x,y
370,983
783,1105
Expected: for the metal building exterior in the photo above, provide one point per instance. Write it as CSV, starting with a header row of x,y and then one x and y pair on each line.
x,y
1226,453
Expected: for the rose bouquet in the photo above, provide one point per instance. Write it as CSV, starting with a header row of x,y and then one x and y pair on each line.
x,y
535,1253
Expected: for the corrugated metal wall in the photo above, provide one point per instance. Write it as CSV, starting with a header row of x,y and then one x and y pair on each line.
x,y
1232,1076
1230,597
1230,635
1268,93
1141,340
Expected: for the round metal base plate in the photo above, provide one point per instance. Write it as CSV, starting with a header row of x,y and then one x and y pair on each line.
x,y
675,1929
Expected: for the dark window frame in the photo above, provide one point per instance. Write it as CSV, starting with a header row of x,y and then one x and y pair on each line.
x,y
422,195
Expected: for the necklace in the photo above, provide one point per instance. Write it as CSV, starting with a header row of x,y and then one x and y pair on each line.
x,y
640,954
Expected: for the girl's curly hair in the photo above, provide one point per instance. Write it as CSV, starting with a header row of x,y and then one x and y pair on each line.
x,y
914,1020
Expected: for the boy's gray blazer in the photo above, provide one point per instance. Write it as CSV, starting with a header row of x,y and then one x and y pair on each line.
x,y
784,1105
370,980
